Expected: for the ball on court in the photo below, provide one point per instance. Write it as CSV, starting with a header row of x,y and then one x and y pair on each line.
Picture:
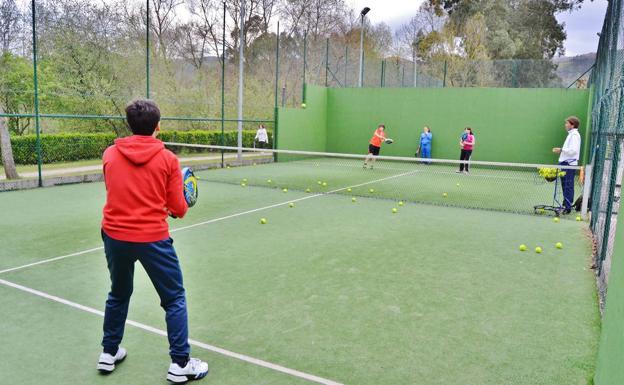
x,y
324,184
245,180
303,105
372,190
578,218
556,219
269,181
291,205
457,184
401,203
348,190
394,210
353,199
263,221
538,250
228,167
445,195
522,247
285,190
559,245
243,184
308,190
319,182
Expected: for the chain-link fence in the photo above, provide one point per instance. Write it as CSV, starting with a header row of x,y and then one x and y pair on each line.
x,y
607,143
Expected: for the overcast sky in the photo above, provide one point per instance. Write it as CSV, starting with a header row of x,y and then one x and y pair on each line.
x,y
581,26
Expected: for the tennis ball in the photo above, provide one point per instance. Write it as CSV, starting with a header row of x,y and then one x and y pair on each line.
x,y
291,205
371,190
269,181
228,167
556,219
457,184
394,210
324,184
245,180
303,105
559,245
348,190
308,190
285,190
578,218
263,221
522,247
353,199
243,184
319,182
401,203
444,195
538,250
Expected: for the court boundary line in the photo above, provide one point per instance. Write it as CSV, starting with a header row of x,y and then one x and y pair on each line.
x,y
316,195
196,343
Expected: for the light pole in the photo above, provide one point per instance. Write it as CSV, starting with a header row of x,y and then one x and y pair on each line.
x,y
363,13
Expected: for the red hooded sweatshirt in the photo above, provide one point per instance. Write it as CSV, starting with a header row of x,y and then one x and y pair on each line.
x,y
143,185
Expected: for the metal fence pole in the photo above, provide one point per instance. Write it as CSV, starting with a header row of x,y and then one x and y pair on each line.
x,y
326,60
223,87
275,110
147,50
445,68
36,95
346,64
305,54
241,68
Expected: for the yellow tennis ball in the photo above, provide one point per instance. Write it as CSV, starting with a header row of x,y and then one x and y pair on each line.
x,y
291,205
457,184
243,184
303,105
245,180
538,250
308,190
444,195
319,182
371,190
556,219
348,190
285,190
522,247
578,218
394,210
269,181
353,199
324,184
401,203
228,167
559,245
263,221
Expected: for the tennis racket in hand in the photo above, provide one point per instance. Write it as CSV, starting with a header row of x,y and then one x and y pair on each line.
x,y
189,185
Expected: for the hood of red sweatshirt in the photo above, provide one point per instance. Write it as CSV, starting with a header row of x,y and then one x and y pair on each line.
x,y
139,149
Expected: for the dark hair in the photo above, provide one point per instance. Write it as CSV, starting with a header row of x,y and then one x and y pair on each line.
x,y
382,126
143,117
574,121
469,129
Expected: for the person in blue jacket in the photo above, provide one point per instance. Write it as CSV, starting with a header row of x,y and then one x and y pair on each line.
x,y
425,143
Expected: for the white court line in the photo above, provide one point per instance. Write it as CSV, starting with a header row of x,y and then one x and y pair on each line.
x,y
207,222
212,348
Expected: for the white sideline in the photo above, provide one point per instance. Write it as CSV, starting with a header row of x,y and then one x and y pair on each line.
x,y
208,222
215,349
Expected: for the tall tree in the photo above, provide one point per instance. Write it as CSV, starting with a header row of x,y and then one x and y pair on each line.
x,y
10,16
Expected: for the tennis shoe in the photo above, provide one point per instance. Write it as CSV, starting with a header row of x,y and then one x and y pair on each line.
x,y
106,363
195,369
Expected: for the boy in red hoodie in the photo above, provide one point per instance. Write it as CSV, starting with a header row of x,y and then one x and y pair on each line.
x,y
144,186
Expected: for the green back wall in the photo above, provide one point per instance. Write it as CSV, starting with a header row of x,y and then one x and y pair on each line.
x,y
511,125
305,129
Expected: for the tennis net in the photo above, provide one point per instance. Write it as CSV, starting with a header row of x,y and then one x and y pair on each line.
x,y
509,187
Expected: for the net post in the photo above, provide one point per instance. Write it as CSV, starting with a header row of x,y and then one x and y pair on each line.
x,y
586,189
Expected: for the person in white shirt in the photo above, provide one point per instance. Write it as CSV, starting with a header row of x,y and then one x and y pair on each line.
x,y
262,137
569,155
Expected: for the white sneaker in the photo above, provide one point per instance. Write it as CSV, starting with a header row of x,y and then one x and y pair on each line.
x,y
106,363
195,369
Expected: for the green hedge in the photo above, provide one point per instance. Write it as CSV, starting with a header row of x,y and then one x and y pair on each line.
x,y
73,147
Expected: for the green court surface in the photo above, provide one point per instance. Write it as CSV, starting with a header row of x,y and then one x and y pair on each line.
x,y
346,291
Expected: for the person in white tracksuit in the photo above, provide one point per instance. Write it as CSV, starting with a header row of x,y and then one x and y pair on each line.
x,y
262,138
